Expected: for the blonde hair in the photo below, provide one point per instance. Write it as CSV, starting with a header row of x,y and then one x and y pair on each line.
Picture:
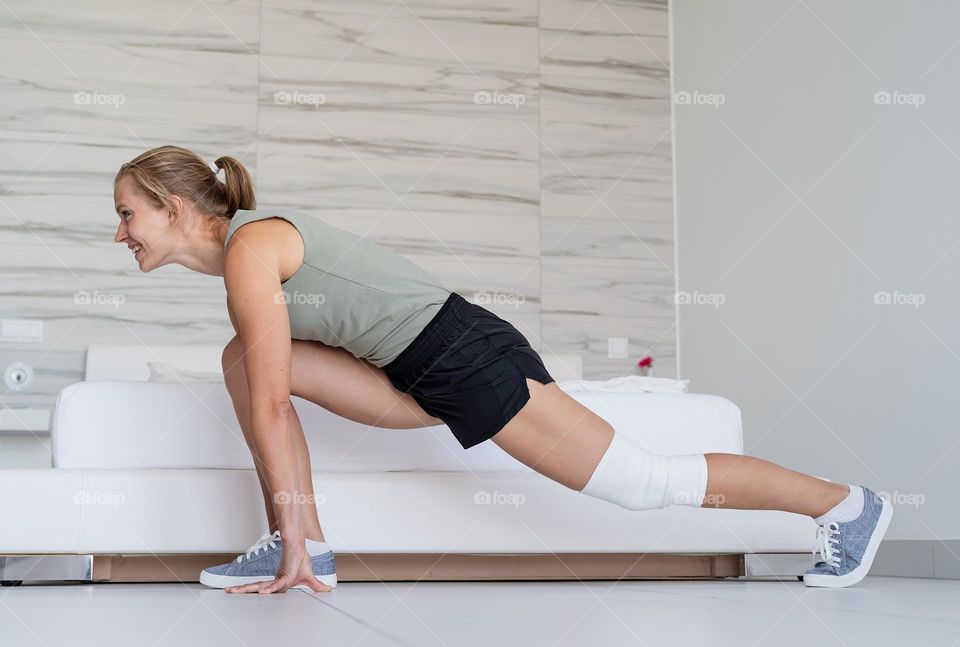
x,y
172,170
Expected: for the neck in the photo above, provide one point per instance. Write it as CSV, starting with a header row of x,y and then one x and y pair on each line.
x,y
202,250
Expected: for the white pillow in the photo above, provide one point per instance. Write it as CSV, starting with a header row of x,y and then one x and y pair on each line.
x,y
626,384
162,372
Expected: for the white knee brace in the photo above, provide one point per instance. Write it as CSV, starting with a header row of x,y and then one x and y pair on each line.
x,y
637,479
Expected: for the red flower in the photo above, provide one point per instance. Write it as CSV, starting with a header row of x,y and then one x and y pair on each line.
x,y
646,361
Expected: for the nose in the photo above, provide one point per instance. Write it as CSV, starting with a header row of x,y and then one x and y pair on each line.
x,y
118,237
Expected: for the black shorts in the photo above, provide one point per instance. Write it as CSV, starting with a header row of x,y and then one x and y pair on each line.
x,y
468,367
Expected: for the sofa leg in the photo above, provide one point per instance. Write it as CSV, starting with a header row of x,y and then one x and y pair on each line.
x,y
16,569
775,565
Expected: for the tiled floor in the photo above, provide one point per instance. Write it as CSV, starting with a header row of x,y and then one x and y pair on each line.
x,y
878,611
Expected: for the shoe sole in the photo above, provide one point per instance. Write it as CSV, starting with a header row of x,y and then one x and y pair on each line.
x,y
860,572
223,581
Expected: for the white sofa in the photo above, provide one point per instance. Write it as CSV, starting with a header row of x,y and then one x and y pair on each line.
x,y
152,481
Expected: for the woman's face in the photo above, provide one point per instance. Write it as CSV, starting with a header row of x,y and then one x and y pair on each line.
x,y
143,227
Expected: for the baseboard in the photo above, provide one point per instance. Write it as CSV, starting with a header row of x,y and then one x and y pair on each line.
x,y
928,558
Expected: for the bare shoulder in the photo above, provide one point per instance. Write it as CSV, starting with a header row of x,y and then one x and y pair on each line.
x,y
273,243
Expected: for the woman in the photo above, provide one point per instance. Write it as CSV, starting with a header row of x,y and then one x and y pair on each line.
x,y
330,317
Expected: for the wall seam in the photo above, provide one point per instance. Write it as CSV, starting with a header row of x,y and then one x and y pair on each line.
x,y
673,183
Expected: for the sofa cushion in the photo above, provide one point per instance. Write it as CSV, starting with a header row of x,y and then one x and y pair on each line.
x,y
127,424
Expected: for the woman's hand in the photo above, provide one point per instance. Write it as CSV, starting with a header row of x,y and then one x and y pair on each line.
x,y
295,568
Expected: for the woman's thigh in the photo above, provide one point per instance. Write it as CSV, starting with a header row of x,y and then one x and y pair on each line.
x,y
556,436
352,387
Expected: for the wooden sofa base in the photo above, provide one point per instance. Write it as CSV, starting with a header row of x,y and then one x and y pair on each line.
x,y
373,567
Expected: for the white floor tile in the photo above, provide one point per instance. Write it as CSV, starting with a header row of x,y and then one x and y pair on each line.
x,y
879,611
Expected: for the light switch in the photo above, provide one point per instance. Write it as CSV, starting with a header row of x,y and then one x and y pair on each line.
x,y
21,330
618,347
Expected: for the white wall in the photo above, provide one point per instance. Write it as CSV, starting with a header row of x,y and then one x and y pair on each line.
x,y
552,208
797,200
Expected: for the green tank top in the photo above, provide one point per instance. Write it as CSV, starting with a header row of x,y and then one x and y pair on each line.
x,y
351,292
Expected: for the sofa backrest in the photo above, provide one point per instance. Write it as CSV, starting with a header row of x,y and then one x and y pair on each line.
x,y
129,361
116,418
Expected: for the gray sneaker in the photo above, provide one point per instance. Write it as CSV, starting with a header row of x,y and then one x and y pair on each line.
x,y
260,564
847,548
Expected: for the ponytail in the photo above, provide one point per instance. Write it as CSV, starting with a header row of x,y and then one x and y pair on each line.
x,y
238,185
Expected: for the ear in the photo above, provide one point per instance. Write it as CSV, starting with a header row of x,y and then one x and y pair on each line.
x,y
177,211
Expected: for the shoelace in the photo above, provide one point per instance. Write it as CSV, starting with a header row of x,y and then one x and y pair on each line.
x,y
825,543
262,544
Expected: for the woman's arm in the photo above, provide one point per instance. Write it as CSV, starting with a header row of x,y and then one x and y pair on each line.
x,y
252,279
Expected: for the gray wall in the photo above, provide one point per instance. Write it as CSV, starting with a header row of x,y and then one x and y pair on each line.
x,y
552,207
799,198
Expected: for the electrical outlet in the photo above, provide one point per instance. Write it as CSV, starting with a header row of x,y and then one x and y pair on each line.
x,y
18,376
